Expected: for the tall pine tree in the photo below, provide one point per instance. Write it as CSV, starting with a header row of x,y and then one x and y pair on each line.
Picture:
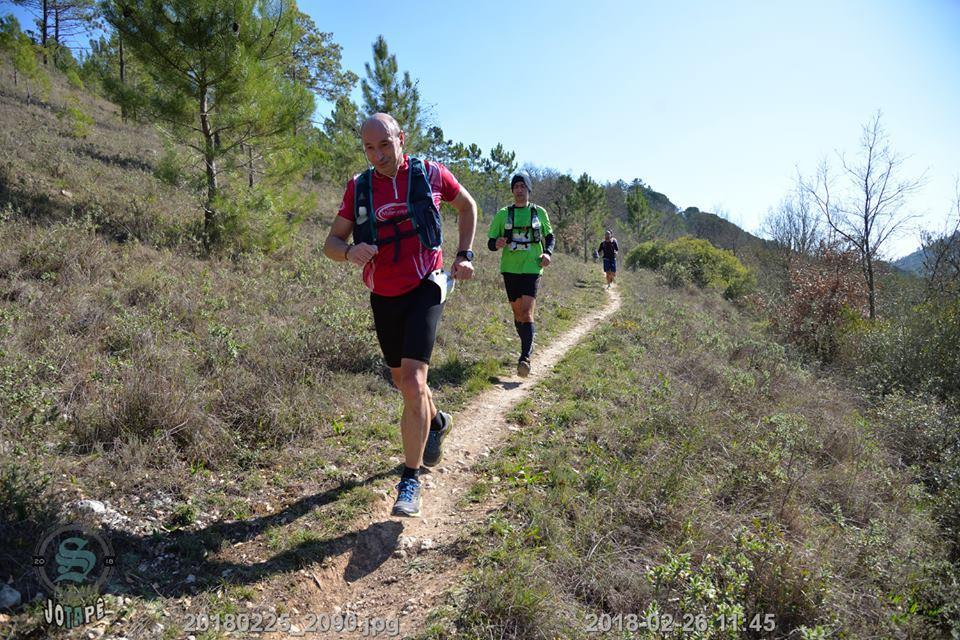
x,y
219,69
641,217
589,199
384,91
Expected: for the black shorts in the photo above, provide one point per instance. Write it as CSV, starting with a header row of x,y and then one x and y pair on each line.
x,y
407,324
521,284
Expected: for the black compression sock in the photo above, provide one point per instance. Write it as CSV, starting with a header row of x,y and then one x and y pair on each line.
x,y
437,422
526,331
410,473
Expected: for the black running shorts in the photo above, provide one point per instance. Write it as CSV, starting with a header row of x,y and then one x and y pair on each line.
x,y
407,324
521,284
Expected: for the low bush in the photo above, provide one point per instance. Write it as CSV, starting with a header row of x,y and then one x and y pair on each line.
x,y
914,352
696,261
825,298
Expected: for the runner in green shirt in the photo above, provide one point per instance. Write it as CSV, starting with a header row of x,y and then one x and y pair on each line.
x,y
524,233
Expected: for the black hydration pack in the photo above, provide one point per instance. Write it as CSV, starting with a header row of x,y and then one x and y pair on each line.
x,y
421,211
509,229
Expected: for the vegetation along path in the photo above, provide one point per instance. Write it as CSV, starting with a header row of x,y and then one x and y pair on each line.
x,y
394,569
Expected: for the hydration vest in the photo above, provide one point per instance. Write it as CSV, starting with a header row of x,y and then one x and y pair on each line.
x,y
421,211
509,229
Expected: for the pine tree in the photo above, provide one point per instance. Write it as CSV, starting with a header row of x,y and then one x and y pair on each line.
x,y
497,169
59,20
589,198
23,55
218,68
120,76
41,11
384,92
315,61
641,217
340,144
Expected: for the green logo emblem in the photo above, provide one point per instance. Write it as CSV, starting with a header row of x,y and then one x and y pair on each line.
x,y
73,562
71,555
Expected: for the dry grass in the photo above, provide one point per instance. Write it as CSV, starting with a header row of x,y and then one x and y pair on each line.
x,y
136,372
727,480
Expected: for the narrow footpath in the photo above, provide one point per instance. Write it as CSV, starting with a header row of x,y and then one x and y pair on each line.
x,y
397,569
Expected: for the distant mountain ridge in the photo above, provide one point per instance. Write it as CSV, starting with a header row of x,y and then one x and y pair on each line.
x,y
912,263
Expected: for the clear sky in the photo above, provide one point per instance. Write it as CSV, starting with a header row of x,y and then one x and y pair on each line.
x,y
715,104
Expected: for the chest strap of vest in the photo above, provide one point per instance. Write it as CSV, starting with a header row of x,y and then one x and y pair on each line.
x,y
419,203
509,228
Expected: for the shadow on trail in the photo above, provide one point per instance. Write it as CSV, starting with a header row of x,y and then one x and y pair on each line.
x,y
369,549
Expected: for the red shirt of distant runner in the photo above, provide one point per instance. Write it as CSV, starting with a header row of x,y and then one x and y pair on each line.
x,y
383,275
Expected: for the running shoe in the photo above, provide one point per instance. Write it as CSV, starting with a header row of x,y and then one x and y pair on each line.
x,y
433,452
408,498
523,367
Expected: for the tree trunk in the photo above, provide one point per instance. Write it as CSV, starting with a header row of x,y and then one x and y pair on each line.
x,y
123,78
871,287
123,66
44,22
210,222
249,166
585,236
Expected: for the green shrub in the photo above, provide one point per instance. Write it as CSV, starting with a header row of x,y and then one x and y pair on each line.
x,y
26,510
257,219
916,352
79,122
73,79
697,261
170,168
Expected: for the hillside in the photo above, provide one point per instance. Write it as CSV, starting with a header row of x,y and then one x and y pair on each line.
x,y
227,423
912,263
194,400
682,476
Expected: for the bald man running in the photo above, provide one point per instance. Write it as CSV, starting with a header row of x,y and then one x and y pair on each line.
x,y
402,266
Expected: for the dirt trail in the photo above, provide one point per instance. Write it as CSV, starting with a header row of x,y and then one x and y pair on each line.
x,y
397,569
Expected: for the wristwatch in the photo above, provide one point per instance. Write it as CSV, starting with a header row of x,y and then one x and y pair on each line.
x,y
466,254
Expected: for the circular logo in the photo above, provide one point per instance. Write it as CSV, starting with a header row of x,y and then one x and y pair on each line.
x,y
73,555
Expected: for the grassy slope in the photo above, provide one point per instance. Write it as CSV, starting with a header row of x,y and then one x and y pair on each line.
x,y
727,482
213,402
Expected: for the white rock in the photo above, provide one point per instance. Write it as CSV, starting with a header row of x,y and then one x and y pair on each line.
x,y
92,505
191,579
9,597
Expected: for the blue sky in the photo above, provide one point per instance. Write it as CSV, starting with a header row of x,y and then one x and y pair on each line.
x,y
714,104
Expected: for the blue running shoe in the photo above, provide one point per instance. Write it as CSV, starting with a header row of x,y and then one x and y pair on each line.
x,y
408,498
434,449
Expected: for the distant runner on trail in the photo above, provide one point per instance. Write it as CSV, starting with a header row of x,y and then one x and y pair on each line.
x,y
524,233
609,250
403,268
